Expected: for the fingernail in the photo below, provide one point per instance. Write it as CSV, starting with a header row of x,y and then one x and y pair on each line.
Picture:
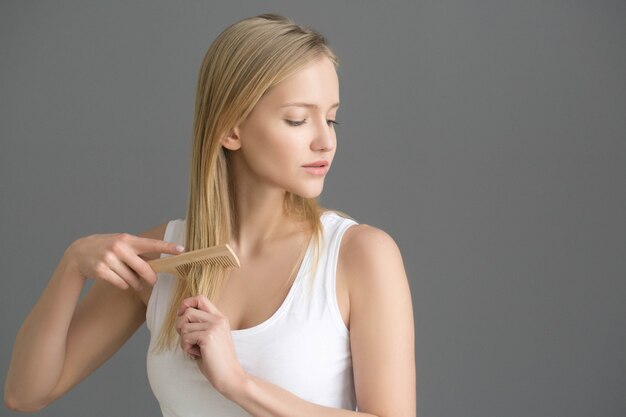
x,y
180,248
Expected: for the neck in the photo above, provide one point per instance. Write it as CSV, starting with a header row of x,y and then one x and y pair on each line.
x,y
260,219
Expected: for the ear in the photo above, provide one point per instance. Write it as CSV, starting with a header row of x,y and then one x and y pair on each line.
x,y
232,140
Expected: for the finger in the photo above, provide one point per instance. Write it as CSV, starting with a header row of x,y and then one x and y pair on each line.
x,y
192,315
121,269
200,302
190,342
193,351
190,302
111,277
140,267
205,304
185,328
147,245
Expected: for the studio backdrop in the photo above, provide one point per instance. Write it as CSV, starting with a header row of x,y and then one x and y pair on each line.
x,y
488,138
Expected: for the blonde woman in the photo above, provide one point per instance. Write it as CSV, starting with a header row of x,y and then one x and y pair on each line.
x,y
317,321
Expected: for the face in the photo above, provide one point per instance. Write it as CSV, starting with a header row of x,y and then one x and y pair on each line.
x,y
275,142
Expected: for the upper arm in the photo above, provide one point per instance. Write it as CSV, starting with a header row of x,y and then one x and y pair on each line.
x,y
103,321
381,323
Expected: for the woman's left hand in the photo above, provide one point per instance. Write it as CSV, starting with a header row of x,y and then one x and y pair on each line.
x,y
205,335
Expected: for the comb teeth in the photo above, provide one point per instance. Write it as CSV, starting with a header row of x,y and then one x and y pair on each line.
x,y
223,261
180,265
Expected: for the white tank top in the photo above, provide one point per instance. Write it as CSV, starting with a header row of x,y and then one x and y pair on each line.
x,y
303,347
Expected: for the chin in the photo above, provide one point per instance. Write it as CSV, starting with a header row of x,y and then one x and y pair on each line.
x,y
309,193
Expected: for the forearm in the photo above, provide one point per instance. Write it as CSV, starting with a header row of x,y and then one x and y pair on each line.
x,y
40,345
261,398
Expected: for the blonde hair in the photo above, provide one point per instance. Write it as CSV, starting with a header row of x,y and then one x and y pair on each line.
x,y
247,59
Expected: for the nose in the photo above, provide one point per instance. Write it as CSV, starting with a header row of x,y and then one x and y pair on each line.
x,y
324,136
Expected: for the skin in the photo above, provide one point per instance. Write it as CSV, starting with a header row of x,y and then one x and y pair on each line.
x,y
61,343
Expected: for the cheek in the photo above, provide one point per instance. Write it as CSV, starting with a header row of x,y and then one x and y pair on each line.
x,y
282,161
275,151
286,144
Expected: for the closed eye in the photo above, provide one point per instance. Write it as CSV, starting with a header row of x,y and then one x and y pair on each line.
x,y
295,122
301,122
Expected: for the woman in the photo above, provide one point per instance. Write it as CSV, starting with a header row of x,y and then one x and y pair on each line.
x,y
317,321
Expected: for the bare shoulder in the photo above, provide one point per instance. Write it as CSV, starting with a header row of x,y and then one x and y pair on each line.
x,y
370,263
362,237
367,248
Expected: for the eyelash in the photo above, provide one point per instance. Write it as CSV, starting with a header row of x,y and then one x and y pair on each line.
x,y
301,122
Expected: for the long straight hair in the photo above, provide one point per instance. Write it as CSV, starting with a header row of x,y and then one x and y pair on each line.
x,y
247,59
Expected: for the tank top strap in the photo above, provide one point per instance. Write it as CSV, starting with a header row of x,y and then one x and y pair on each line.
x,y
317,296
336,226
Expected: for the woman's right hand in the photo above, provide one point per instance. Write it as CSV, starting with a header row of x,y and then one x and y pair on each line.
x,y
115,258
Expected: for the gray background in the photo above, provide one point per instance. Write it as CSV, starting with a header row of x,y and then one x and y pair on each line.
x,y
487,137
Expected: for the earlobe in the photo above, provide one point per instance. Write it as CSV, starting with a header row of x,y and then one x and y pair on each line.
x,y
232,141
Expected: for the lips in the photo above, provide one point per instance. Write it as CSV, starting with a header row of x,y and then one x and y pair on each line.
x,y
317,168
317,164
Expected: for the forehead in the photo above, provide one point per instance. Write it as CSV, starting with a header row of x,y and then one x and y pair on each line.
x,y
315,86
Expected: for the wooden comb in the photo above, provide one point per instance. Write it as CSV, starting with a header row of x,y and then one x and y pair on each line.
x,y
179,265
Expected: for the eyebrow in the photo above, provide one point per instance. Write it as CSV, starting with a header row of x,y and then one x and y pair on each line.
x,y
300,104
